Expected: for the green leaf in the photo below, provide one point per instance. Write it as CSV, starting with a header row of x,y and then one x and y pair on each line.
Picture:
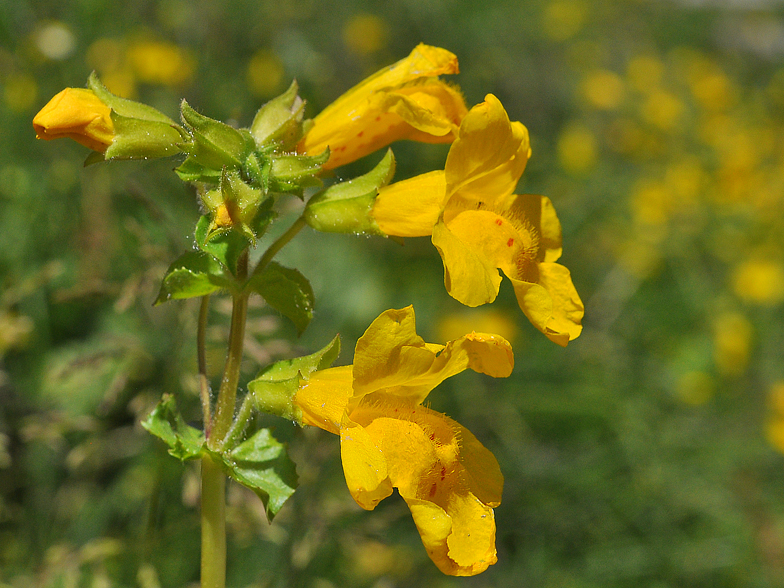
x,y
194,274
287,291
346,207
184,441
262,464
275,386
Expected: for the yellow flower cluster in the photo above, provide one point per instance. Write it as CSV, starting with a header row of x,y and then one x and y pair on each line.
x,y
469,209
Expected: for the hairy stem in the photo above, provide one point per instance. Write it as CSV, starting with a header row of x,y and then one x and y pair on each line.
x,y
213,524
204,384
278,244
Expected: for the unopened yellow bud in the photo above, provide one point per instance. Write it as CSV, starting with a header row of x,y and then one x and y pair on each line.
x,y
78,114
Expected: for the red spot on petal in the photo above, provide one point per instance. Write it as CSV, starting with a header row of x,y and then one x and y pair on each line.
x,y
510,242
378,118
499,222
443,473
360,133
433,489
432,436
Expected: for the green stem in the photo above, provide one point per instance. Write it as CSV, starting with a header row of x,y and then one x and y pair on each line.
x,y
276,246
204,384
213,480
213,524
227,394
241,421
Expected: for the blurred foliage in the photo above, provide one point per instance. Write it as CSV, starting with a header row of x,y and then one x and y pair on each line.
x,y
645,454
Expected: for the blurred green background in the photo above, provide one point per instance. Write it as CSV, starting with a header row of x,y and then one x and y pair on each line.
x,y
646,454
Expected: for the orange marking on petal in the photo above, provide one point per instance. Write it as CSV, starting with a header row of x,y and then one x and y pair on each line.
x,y
510,242
433,489
499,222
360,133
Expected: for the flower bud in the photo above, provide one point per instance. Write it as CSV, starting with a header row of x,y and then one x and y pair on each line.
x,y
280,120
77,114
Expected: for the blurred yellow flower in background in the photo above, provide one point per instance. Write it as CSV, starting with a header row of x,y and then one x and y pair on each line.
x,y
365,33
265,73
449,480
603,89
732,341
577,149
161,63
760,281
774,427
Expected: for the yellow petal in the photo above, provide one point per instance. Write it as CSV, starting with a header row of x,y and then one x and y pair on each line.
x,y
410,208
552,305
489,155
469,276
460,540
482,474
483,353
401,101
77,114
364,466
434,110
449,480
389,353
323,398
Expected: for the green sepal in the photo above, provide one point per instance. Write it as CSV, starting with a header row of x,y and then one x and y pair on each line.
x,y
292,173
257,169
215,144
124,107
260,462
275,386
346,207
280,120
225,244
185,442
287,291
242,201
143,139
194,273
140,131
192,171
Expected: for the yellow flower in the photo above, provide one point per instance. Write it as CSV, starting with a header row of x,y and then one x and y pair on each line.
x,y
78,114
479,226
449,480
403,101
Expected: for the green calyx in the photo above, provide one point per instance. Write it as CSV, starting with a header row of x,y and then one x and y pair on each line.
x,y
346,207
140,131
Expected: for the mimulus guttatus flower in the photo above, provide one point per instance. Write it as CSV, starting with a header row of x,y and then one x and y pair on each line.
x,y
449,480
78,114
479,226
403,101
